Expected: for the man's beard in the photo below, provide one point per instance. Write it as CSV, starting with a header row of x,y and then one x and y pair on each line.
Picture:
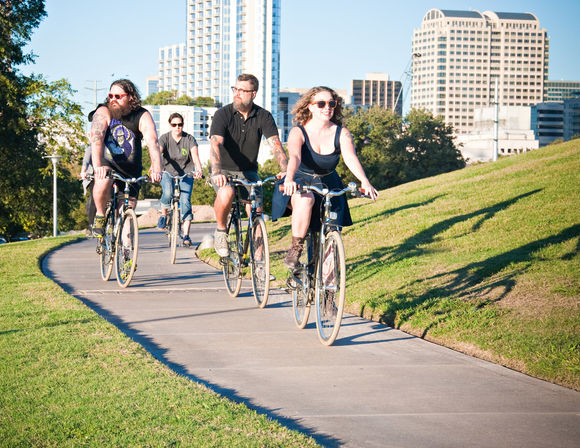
x,y
240,106
117,112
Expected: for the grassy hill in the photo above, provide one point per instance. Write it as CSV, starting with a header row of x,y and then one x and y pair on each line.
x,y
484,260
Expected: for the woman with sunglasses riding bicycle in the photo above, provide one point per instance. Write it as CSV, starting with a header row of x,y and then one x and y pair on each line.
x,y
180,156
314,148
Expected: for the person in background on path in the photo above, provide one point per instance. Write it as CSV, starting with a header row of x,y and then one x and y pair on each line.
x,y
235,136
118,126
87,170
314,150
180,156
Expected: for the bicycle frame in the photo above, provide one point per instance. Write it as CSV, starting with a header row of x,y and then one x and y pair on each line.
x,y
250,249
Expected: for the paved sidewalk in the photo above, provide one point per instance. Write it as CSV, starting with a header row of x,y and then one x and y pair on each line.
x,y
376,387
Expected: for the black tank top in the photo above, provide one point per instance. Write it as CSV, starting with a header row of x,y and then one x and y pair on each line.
x,y
322,164
123,143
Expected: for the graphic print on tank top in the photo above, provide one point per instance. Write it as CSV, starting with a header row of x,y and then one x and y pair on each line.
x,y
120,142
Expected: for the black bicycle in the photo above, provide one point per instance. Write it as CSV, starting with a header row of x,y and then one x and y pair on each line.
x,y
320,276
119,245
256,241
174,221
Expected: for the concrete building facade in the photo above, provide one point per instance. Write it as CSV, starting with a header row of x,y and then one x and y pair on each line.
x,y
458,55
377,90
225,38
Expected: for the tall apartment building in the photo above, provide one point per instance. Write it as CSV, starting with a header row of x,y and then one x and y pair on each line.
x,y
562,90
377,90
225,38
458,55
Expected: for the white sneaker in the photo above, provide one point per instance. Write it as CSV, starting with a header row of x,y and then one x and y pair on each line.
x,y
220,243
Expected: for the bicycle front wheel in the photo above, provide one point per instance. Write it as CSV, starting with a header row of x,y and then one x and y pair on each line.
x,y
105,248
330,288
174,232
260,261
127,248
231,265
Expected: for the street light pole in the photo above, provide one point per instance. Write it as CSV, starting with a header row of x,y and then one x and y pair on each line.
x,y
54,158
495,123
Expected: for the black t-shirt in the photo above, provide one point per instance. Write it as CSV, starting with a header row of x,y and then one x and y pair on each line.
x,y
242,137
177,155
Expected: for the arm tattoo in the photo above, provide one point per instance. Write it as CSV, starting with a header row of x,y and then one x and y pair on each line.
x,y
214,155
98,129
278,152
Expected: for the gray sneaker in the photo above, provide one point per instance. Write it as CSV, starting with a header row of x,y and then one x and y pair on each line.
x,y
220,243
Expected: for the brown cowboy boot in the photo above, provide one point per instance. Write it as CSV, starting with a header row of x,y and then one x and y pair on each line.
x,y
293,255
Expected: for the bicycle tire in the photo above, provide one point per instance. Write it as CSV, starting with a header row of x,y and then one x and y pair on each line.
x,y
302,290
174,232
106,249
330,288
231,265
260,261
127,250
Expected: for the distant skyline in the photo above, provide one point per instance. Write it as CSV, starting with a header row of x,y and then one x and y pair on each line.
x,y
327,42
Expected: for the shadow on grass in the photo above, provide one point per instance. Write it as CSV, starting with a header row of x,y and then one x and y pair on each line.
x,y
383,214
368,265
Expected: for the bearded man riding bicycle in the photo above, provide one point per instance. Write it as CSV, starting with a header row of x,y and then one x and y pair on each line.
x,y
118,126
235,136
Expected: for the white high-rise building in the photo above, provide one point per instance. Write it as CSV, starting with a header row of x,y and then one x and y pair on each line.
x,y
224,39
458,55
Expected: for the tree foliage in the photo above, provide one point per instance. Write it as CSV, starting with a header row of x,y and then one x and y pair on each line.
x,y
170,97
37,118
393,150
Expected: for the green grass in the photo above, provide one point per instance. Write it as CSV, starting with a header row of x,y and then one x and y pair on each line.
x,y
483,260
68,378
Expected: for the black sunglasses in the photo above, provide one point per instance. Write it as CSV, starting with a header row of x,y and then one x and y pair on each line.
x,y
176,124
117,96
322,104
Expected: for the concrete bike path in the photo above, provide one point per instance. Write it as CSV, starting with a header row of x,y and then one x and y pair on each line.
x,y
376,387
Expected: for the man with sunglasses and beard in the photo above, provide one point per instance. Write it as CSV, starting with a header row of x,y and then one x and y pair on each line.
x,y
118,126
235,136
180,156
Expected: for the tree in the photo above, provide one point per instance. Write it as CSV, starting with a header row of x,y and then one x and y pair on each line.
x,y
393,151
36,118
429,143
167,97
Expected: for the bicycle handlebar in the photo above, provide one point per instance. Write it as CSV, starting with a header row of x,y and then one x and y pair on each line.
x,y
259,183
114,175
190,174
351,188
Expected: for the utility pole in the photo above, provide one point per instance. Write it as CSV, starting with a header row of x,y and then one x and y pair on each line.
x,y
495,122
54,158
95,90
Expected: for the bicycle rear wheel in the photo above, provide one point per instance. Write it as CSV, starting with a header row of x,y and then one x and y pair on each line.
x,y
127,248
174,232
231,265
105,247
260,261
330,288
302,287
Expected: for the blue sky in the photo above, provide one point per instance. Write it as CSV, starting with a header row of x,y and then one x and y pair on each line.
x,y
323,41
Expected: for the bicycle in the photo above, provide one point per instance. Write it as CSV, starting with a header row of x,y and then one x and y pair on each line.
x,y
256,240
174,222
320,277
119,247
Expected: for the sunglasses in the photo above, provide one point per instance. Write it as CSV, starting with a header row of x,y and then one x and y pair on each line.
x,y
176,124
117,96
322,104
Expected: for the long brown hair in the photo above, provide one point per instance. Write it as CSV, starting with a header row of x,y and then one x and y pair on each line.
x,y
302,114
131,89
